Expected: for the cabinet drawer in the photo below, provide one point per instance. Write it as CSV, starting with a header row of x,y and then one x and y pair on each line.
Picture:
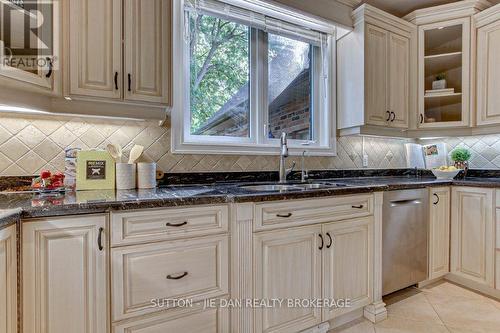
x,y
155,225
196,319
304,212
141,274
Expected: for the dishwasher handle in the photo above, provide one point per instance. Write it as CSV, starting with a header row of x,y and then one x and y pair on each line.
x,y
407,202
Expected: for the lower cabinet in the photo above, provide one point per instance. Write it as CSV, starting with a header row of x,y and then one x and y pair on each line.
x,y
348,265
8,280
287,266
327,262
195,320
439,232
193,269
472,235
65,275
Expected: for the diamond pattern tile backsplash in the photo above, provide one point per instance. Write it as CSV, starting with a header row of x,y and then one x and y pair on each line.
x,y
485,150
31,143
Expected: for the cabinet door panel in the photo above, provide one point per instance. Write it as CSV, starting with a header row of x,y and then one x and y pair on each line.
x,y
376,76
472,249
95,48
399,79
8,280
439,238
287,266
488,74
42,48
147,49
348,265
65,276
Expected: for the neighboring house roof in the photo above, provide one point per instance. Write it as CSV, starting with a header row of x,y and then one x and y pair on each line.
x,y
284,71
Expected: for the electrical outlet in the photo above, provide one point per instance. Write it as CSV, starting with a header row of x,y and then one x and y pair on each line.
x,y
365,160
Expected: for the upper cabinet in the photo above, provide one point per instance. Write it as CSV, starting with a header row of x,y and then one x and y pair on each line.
x,y
95,48
446,62
488,69
444,73
374,74
119,50
30,62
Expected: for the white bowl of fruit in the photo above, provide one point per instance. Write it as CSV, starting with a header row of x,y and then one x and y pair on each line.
x,y
445,172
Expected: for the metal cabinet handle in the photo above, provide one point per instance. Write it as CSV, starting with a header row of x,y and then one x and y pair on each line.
x,y
437,197
393,116
322,241
116,80
331,240
129,82
176,224
49,73
284,215
170,277
388,115
99,239
421,118
358,207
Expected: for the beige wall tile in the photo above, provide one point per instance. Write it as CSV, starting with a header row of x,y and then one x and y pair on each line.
x,y
48,136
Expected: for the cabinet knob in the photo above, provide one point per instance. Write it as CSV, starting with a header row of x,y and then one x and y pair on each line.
x,y
116,80
393,116
437,199
331,240
178,277
322,241
99,239
284,215
49,73
421,118
388,115
176,224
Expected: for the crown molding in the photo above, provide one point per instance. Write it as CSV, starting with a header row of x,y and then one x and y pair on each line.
x,y
447,12
367,11
487,16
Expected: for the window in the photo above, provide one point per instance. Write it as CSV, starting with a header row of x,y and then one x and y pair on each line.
x,y
243,76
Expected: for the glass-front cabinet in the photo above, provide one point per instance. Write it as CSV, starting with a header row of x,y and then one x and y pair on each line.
x,y
444,74
29,42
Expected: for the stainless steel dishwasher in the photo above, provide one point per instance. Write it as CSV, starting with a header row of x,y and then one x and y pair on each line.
x,y
404,239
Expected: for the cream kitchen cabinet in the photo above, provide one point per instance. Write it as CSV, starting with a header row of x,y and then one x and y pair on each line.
x,y
8,280
472,235
195,320
348,265
65,275
287,266
439,232
106,61
33,65
488,71
331,261
374,74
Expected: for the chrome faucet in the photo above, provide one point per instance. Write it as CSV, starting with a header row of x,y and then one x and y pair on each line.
x,y
283,155
304,174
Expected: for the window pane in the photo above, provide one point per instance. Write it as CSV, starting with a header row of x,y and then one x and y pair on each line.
x,y
289,88
219,77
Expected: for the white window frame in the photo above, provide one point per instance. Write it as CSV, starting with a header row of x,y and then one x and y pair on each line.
x,y
183,142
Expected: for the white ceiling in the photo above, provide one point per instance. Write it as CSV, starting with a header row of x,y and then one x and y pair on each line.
x,y
402,7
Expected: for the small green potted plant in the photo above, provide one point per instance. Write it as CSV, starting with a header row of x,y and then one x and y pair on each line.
x,y
461,156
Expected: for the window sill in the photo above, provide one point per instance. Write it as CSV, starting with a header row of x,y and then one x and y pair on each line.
x,y
218,149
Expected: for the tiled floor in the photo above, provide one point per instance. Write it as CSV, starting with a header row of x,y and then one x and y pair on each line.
x,y
441,307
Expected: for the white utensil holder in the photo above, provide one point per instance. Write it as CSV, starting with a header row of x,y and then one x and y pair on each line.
x,y
125,176
146,175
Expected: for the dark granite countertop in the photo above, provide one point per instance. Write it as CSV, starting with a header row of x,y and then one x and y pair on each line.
x,y
28,205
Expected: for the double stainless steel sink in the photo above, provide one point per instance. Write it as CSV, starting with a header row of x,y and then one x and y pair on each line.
x,y
276,187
